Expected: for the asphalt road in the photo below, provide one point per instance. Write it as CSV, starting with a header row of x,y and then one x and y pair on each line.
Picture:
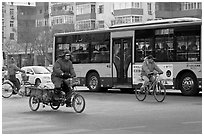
x,y
106,113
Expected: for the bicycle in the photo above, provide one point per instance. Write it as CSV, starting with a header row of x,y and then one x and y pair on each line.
x,y
9,89
47,97
158,90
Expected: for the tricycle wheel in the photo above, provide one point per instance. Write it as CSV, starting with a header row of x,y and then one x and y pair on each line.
x,y
34,103
55,105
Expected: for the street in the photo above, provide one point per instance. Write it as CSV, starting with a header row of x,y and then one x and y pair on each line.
x,y
106,113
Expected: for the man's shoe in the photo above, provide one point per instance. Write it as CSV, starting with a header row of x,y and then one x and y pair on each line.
x,y
68,104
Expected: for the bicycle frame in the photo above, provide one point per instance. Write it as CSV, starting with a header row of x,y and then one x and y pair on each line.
x,y
151,84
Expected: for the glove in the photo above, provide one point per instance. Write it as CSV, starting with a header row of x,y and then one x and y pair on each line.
x,y
66,75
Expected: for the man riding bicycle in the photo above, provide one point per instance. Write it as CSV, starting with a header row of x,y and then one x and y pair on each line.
x,y
62,70
12,69
148,67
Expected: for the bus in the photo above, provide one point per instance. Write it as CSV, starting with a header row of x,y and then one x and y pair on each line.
x,y
105,58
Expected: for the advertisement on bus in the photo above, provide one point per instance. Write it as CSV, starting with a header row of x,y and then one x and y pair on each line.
x,y
166,77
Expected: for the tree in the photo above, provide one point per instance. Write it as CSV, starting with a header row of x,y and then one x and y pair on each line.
x,y
43,42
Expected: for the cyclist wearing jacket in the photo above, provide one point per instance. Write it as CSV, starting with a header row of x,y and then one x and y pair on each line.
x,y
12,69
63,69
148,67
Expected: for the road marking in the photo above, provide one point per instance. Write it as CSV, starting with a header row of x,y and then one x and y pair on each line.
x,y
192,122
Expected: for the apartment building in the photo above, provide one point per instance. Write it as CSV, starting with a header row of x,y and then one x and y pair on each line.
x,y
62,16
133,12
9,23
178,9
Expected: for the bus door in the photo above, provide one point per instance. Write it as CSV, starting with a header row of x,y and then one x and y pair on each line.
x,y
122,57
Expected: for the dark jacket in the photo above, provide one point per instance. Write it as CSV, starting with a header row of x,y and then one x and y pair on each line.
x,y
61,66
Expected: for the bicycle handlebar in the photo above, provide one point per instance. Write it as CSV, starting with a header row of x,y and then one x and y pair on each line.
x,y
152,73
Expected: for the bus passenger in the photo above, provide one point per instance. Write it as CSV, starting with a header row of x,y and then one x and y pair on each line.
x,y
63,69
148,67
192,46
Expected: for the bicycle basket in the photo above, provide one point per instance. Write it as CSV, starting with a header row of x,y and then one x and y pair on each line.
x,y
24,77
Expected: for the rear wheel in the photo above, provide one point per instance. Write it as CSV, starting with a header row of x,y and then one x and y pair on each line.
x,y
55,105
34,103
159,92
78,103
93,82
7,89
140,94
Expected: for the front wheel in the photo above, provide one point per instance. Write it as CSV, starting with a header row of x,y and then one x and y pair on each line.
x,y
159,92
7,89
78,103
140,94
34,103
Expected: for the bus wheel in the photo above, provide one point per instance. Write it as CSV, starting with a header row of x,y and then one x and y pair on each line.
x,y
93,82
188,84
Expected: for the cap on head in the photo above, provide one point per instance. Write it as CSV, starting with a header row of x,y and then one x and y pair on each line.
x,y
12,60
150,57
67,53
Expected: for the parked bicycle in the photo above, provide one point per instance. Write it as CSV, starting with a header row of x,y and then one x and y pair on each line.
x,y
47,97
154,87
9,89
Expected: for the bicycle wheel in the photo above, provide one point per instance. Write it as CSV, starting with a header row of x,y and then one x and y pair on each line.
x,y
7,90
34,103
54,105
159,92
78,103
140,94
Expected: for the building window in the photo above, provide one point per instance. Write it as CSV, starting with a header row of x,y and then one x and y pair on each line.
x,y
11,12
11,36
11,23
93,9
101,24
41,11
101,9
192,5
83,9
85,25
149,8
128,19
136,5
65,19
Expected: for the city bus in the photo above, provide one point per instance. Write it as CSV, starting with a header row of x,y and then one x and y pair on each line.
x,y
106,59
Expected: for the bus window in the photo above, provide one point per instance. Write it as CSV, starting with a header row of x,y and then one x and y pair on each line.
x,y
144,47
188,48
164,48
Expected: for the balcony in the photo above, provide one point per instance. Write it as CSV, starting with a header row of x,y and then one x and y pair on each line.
x,y
174,14
130,11
86,16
